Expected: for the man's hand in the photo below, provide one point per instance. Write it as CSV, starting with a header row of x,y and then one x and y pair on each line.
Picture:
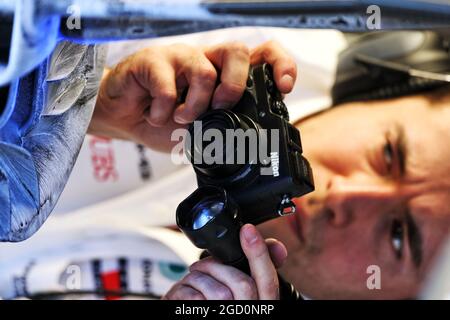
x,y
138,99
208,279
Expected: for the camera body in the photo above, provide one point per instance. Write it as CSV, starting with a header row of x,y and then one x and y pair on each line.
x,y
261,184
239,186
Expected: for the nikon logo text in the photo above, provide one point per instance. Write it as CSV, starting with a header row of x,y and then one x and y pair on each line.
x,y
275,163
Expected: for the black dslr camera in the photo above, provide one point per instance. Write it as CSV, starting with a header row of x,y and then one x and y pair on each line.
x,y
249,166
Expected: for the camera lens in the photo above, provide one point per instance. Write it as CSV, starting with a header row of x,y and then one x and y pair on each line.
x,y
206,211
211,148
210,219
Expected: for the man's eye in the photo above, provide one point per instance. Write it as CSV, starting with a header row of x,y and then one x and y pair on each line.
x,y
388,156
397,236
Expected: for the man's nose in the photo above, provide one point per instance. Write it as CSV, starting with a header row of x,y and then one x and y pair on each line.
x,y
349,197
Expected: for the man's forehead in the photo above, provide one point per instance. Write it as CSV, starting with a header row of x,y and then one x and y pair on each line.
x,y
427,136
432,214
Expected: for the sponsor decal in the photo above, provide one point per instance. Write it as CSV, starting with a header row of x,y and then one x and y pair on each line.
x,y
20,282
110,276
102,158
147,271
172,271
144,164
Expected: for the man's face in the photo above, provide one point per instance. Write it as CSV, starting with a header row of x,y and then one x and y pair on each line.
x,y
382,176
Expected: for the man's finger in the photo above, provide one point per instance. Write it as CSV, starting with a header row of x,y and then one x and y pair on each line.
x,y
262,268
277,251
201,76
158,77
115,84
284,67
241,285
183,292
233,59
208,286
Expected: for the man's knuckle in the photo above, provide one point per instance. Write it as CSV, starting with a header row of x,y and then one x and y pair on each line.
x,y
179,48
158,120
121,66
207,75
187,294
194,276
272,44
147,53
169,96
269,48
238,47
190,113
178,292
195,296
272,286
247,287
232,89
291,66
224,294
